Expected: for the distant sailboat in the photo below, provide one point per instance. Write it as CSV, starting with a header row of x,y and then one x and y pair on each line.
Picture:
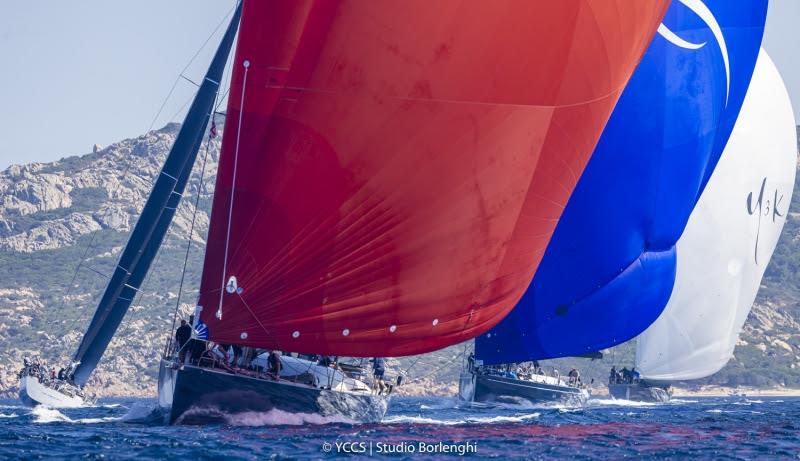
x,y
608,270
726,246
384,167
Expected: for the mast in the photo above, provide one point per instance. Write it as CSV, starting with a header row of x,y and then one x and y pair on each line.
x,y
156,216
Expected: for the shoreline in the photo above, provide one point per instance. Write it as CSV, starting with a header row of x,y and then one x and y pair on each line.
x,y
716,391
720,391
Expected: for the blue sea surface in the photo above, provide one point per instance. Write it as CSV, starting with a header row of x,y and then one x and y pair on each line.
x,y
418,428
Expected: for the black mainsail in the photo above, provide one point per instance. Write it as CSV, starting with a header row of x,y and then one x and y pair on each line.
x,y
157,214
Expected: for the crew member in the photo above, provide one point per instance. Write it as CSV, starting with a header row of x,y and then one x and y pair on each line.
x,y
574,377
378,369
275,365
182,336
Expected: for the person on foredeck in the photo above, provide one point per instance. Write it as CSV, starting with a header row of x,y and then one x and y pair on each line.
x,y
274,365
612,375
378,369
574,377
182,336
626,375
237,354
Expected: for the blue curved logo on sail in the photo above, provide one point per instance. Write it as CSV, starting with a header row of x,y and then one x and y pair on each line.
x,y
200,331
702,10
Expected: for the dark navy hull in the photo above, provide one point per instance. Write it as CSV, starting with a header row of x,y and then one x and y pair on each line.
x,y
639,392
195,395
498,389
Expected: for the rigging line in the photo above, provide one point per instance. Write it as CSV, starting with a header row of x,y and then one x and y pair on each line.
x,y
439,369
178,79
139,294
96,271
186,67
131,159
189,242
412,364
254,315
246,65
190,81
72,281
183,107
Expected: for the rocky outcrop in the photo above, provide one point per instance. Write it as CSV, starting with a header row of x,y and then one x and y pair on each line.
x,y
49,206
51,234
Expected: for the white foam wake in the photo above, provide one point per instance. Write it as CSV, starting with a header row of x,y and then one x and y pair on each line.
x,y
618,403
46,415
144,413
520,404
12,415
12,407
272,417
456,422
447,403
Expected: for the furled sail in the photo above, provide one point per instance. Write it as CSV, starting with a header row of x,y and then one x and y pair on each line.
x,y
392,171
729,239
609,269
157,214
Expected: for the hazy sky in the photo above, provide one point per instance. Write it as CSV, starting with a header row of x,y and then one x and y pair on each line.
x,y
96,71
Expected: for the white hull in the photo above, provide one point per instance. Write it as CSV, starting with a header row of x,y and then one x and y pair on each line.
x,y
32,393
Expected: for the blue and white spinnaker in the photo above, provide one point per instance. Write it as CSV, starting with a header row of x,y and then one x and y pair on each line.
x,y
729,239
610,266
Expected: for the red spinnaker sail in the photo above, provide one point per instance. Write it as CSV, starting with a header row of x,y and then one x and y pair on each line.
x,y
400,166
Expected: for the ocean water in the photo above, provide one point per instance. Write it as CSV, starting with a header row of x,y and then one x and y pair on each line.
x,y
419,428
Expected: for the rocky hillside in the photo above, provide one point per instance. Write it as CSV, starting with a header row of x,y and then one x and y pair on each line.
x,y
62,225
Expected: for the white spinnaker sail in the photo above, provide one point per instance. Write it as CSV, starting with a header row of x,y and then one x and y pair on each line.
x,y
729,240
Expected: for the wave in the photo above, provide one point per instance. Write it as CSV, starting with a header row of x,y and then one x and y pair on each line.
x,y
520,404
619,403
749,412
680,401
48,415
12,407
448,403
272,417
148,413
45,415
110,405
12,415
457,422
